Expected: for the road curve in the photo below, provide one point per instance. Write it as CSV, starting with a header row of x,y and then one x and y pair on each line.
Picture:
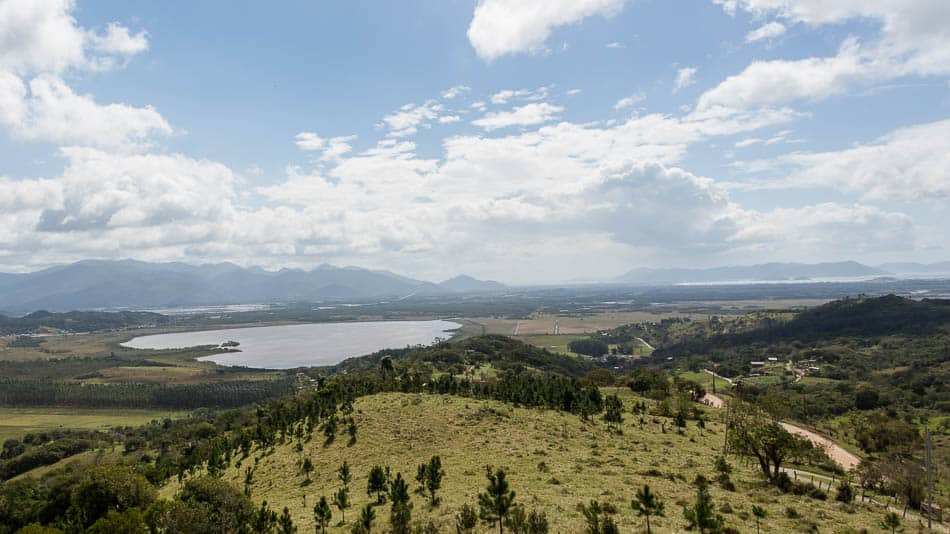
x,y
836,452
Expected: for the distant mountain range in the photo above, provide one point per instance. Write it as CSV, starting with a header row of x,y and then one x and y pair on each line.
x,y
773,272
942,267
97,284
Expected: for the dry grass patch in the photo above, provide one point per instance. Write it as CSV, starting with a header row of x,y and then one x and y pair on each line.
x,y
554,461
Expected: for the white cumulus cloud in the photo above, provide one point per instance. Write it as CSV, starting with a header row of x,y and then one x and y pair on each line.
x,y
502,27
770,30
527,115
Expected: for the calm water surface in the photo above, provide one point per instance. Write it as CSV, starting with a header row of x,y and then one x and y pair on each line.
x,y
298,345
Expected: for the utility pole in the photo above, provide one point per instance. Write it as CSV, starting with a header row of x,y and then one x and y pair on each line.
x,y
929,462
725,434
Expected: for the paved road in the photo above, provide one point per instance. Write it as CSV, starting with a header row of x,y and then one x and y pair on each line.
x,y
649,346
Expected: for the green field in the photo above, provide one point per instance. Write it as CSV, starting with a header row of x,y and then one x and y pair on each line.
x,y
554,343
16,422
554,460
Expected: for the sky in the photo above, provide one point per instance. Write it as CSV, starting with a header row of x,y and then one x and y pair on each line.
x,y
528,141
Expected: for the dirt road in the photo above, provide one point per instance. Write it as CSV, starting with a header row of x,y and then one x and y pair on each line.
x,y
834,451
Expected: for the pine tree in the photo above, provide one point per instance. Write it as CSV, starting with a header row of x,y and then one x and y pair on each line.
x,y
322,514
345,475
367,516
433,478
647,504
702,515
466,519
613,414
891,521
377,483
400,514
341,499
351,429
265,520
495,504
307,468
759,514
285,524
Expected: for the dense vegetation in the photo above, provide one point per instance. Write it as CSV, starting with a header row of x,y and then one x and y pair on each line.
x,y
230,394
877,368
79,321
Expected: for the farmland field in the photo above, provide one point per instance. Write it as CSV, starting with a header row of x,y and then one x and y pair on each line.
x,y
16,422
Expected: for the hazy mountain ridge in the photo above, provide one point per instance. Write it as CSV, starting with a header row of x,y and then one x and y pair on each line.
x,y
942,267
98,284
760,272
466,284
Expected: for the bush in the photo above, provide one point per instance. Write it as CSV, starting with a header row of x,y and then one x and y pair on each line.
x,y
845,492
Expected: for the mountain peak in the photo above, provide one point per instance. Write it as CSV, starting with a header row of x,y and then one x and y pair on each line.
x,y
464,283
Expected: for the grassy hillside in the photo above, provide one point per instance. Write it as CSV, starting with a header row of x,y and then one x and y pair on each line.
x,y
554,460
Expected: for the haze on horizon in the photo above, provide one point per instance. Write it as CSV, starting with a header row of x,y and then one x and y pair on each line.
x,y
520,140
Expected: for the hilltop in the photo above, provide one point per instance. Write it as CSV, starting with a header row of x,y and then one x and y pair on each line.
x,y
555,461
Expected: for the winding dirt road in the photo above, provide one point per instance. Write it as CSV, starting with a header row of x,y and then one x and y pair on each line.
x,y
836,452
839,454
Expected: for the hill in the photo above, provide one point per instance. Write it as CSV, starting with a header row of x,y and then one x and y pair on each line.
x,y
751,273
98,284
466,284
78,321
555,461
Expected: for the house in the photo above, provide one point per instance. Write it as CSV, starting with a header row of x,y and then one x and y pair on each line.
x,y
756,364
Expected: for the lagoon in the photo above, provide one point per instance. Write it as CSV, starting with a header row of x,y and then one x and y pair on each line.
x,y
302,345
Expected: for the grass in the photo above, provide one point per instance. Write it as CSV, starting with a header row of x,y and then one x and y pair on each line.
x,y
17,422
554,343
554,461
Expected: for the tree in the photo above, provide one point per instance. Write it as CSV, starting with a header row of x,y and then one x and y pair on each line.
x,y
466,519
209,504
613,410
377,483
589,347
431,477
285,525
647,504
330,427
345,475
322,514
400,514
845,492
365,524
598,518
130,521
521,522
759,513
307,468
753,432
351,430
105,488
495,504
341,499
702,515
891,521
869,475
265,520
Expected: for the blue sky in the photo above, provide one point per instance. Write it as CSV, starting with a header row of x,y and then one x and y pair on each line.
x,y
583,138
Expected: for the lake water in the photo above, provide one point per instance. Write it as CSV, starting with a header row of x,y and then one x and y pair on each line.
x,y
300,345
